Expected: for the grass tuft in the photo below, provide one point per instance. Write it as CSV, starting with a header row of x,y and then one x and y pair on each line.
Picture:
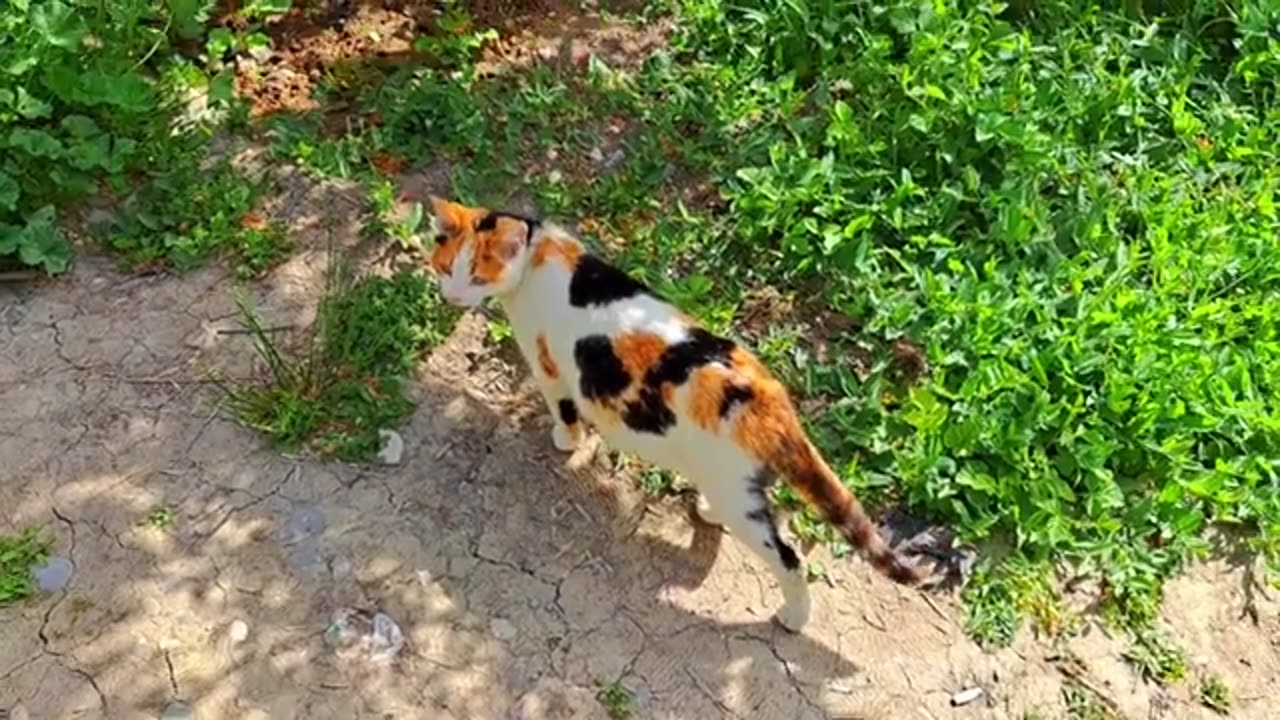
x,y
18,555
346,381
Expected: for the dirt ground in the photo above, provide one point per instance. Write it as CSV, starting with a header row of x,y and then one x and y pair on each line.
x,y
519,579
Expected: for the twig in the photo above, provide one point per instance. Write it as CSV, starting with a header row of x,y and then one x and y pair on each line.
x,y
19,275
928,600
247,331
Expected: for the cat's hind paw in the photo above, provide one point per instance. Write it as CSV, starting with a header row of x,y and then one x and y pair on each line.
x,y
706,513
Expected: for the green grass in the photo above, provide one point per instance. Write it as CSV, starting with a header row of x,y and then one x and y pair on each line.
x,y
346,381
616,699
18,555
1069,210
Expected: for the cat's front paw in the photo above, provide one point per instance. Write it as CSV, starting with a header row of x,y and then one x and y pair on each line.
x,y
794,615
564,439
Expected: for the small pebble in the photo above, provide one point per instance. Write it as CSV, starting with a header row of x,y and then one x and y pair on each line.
x,y
238,632
385,639
54,574
966,696
502,629
19,712
303,523
340,567
178,710
392,447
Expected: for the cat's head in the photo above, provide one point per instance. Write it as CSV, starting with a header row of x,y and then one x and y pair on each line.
x,y
478,253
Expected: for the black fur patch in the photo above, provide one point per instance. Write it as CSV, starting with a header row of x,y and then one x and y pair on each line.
x,y
596,282
602,374
681,359
733,395
786,554
490,222
649,413
568,412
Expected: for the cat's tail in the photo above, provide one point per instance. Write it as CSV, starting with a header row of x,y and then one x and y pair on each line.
x,y
814,480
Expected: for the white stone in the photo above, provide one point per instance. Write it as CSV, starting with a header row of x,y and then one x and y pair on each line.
x,y
392,447
238,632
502,629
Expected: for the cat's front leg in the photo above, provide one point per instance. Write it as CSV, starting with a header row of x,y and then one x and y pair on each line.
x,y
566,429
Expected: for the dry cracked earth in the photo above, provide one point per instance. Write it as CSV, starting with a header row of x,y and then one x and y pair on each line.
x,y
519,579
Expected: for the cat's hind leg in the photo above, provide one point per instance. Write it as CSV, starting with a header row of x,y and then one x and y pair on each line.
x,y
743,507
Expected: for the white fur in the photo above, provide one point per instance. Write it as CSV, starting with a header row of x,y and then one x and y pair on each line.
x,y
537,303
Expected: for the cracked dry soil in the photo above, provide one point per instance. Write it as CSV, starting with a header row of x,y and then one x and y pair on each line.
x,y
520,579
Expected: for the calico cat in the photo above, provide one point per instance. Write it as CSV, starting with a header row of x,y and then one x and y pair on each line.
x,y
608,352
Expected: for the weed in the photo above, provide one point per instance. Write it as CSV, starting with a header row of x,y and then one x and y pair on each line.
x,y
1157,658
1215,695
616,699
18,554
657,481
346,382
161,517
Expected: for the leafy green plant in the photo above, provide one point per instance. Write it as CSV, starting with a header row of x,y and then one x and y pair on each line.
x,y
76,103
346,381
18,554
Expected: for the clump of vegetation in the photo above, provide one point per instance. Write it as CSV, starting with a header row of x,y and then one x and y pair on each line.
x,y
161,517
1215,695
346,382
1085,704
1157,658
616,698
18,555
188,213
93,101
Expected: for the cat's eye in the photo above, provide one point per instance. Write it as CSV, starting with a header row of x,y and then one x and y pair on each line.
x,y
441,238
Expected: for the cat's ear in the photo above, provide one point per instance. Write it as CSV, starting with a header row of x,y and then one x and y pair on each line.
x,y
450,216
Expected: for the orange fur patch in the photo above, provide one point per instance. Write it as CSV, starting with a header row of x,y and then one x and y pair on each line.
x,y
562,251
638,352
707,387
544,358
487,266
767,427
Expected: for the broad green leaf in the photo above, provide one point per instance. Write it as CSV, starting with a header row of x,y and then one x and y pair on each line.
x,y
35,142
9,192
29,106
